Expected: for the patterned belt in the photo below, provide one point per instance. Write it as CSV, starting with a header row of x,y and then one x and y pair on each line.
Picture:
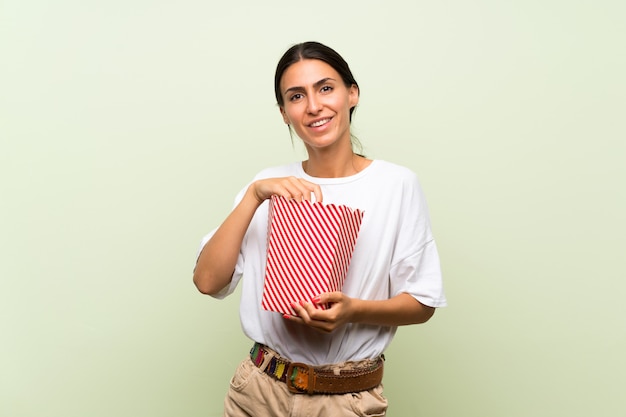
x,y
306,379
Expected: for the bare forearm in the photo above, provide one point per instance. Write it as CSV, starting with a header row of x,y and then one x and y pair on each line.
x,y
397,311
218,258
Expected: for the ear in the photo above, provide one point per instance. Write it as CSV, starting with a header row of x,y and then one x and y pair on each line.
x,y
282,112
353,96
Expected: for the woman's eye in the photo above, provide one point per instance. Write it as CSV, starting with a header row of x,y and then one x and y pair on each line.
x,y
295,97
326,89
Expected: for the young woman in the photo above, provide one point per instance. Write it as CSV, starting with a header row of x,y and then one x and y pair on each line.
x,y
324,361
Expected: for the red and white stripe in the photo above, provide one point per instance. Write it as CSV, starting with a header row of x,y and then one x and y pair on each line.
x,y
308,252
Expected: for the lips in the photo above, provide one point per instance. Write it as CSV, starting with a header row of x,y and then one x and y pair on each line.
x,y
320,122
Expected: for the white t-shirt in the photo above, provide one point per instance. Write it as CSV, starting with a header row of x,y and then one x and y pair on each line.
x,y
395,252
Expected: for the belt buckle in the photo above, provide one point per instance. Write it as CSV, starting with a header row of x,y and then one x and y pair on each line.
x,y
300,378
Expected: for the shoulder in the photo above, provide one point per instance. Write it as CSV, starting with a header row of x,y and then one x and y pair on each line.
x,y
400,181
279,171
392,171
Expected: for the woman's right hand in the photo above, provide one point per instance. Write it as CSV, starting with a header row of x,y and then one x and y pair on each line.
x,y
289,187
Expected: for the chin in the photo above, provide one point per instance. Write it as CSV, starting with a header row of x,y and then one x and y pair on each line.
x,y
318,144
322,141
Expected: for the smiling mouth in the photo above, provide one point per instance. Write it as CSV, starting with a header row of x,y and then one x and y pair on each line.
x,y
320,122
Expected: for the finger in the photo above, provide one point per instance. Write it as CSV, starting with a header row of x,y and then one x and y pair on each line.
x,y
317,191
296,189
300,311
312,191
323,317
328,297
307,189
294,319
309,314
288,187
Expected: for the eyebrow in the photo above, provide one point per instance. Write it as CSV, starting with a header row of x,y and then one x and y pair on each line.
x,y
316,85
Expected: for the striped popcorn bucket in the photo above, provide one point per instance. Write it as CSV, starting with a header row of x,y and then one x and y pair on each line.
x,y
308,252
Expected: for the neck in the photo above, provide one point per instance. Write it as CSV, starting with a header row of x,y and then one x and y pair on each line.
x,y
333,164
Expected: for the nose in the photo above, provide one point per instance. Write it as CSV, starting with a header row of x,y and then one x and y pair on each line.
x,y
313,105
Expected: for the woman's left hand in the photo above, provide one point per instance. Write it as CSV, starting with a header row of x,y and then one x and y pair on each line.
x,y
396,311
339,312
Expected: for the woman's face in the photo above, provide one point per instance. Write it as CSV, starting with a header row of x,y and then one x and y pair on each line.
x,y
317,103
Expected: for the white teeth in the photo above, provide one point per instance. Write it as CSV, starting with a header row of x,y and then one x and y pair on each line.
x,y
319,123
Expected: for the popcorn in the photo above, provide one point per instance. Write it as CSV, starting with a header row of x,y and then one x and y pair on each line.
x,y
308,252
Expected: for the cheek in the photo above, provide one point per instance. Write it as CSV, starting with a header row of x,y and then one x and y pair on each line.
x,y
290,114
284,112
341,103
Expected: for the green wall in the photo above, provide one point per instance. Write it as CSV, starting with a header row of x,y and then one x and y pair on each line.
x,y
127,127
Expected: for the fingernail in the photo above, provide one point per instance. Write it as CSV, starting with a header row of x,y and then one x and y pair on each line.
x,y
316,299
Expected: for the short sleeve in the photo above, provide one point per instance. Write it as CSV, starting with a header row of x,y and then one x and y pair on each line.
x,y
420,276
416,267
237,274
